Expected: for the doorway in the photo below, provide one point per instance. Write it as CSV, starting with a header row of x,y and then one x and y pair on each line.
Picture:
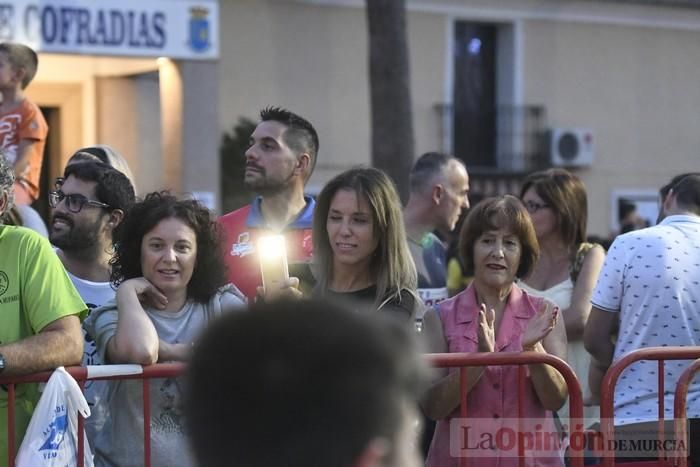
x,y
51,164
474,97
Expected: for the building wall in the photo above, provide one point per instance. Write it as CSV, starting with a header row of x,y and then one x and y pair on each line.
x,y
633,86
160,114
628,72
306,58
313,60
83,71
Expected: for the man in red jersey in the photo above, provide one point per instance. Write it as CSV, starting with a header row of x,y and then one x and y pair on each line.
x,y
279,161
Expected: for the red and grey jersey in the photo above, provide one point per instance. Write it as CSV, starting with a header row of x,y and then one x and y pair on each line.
x,y
241,230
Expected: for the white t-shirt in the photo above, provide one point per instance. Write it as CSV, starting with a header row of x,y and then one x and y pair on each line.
x,y
576,355
652,277
120,442
94,294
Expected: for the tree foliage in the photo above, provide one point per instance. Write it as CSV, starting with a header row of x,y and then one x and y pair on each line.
x,y
232,161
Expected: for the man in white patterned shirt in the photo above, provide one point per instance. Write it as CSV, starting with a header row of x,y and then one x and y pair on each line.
x,y
648,294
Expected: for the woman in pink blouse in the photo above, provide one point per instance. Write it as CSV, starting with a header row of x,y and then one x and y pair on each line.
x,y
494,315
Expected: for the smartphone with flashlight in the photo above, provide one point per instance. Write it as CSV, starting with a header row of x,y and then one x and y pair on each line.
x,y
273,261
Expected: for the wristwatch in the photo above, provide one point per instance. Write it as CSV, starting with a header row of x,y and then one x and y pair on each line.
x,y
2,363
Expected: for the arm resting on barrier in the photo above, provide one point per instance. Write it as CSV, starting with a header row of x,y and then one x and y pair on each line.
x,y
443,396
173,352
60,343
549,384
136,339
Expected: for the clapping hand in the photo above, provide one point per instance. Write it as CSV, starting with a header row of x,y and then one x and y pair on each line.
x,y
486,331
540,325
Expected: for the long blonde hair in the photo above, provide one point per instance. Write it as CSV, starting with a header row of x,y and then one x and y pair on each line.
x,y
392,264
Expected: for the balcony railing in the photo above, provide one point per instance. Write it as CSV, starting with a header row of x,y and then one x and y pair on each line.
x,y
520,140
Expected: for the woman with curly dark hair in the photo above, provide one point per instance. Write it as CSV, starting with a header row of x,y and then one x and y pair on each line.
x,y
170,280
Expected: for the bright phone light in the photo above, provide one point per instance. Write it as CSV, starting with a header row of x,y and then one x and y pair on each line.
x,y
271,247
273,261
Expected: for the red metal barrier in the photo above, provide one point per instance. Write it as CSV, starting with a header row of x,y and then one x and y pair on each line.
x,y
464,360
79,373
680,414
454,360
607,411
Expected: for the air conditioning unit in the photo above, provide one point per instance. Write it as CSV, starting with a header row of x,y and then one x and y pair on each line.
x,y
570,147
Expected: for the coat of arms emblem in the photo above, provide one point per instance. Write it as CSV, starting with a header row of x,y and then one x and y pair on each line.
x,y
199,29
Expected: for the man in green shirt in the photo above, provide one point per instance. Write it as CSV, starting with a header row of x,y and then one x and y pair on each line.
x,y
40,313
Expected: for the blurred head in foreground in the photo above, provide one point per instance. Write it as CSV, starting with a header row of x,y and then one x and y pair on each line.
x,y
304,383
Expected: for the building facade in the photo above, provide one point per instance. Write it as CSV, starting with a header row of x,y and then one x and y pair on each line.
x,y
493,81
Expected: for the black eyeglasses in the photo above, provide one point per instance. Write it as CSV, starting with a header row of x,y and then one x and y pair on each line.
x,y
74,202
533,207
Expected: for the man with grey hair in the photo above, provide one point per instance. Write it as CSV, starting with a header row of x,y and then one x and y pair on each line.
x,y
39,311
439,193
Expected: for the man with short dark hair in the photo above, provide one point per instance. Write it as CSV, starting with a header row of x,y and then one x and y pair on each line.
x,y
666,189
439,194
304,383
39,312
89,202
647,295
281,157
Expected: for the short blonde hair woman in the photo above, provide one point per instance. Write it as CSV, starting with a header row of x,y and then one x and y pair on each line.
x,y
360,252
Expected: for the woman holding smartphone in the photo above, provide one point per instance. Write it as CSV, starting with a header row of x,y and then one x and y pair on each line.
x,y
361,257
170,281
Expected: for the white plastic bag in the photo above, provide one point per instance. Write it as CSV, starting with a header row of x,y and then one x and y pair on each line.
x,y
51,439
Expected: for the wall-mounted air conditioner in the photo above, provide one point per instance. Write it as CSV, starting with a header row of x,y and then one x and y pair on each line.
x,y
570,147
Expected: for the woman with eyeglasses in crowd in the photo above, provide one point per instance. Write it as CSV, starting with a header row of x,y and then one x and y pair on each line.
x,y
568,267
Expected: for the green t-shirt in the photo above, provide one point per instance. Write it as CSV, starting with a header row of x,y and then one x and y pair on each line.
x,y
34,291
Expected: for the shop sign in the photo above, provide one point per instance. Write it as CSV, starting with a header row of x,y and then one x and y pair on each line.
x,y
144,28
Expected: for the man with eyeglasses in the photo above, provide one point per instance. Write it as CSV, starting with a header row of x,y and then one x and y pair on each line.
x,y
39,312
88,203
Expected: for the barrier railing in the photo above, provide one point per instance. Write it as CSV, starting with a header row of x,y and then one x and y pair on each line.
x,y
607,390
80,373
464,360
680,414
451,360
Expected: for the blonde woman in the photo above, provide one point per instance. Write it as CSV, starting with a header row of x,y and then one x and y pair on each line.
x,y
361,257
